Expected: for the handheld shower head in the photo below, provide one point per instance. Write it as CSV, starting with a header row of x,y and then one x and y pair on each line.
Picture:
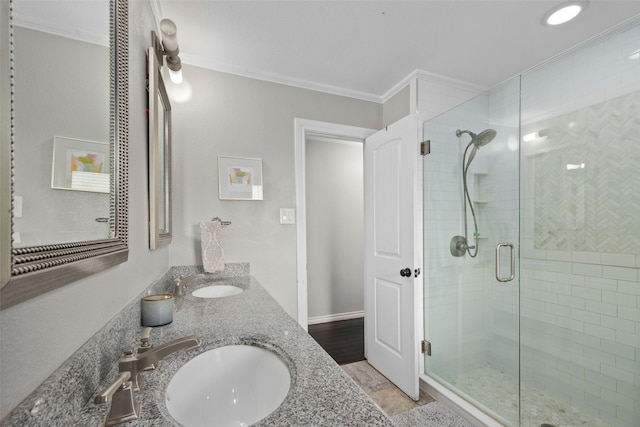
x,y
460,245
484,137
481,139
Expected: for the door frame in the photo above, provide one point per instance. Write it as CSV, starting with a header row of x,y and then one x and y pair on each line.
x,y
303,129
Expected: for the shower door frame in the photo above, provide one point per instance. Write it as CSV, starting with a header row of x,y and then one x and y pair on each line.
x,y
490,284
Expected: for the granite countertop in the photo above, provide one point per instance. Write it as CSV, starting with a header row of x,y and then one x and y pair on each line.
x,y
321,393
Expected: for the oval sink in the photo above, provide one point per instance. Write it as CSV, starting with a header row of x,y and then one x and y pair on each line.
x,y
235,385
217,291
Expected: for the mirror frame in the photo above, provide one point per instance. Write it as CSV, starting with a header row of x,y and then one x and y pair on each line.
x,y
159,150
27,272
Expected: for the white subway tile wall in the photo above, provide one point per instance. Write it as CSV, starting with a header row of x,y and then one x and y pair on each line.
x,y
585,221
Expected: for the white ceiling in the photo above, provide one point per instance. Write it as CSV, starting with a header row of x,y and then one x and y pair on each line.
x,y
365,48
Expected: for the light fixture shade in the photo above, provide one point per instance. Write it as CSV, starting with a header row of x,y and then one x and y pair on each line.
x,y
169,35
175,76
170,44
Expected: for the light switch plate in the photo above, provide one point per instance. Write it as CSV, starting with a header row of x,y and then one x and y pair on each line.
x,y
287,216
17,206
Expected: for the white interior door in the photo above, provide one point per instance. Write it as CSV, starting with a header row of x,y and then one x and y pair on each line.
x,y
392,338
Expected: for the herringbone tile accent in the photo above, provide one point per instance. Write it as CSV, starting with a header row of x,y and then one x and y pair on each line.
x,y
595,208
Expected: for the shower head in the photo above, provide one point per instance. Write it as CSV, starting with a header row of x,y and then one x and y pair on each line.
x,y
484,137
481,139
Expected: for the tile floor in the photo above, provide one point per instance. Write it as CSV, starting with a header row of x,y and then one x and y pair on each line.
x,y
386,395
537,408
490,385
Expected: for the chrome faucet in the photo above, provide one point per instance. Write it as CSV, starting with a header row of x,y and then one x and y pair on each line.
x,y
180,284
124,407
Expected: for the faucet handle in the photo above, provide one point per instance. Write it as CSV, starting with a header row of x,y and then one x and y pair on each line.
x,y
106,394
145,341
123,407
145,345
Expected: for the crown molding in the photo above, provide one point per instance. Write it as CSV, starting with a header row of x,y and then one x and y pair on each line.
x,y
48,27
277,78
432,77
330,89
450,82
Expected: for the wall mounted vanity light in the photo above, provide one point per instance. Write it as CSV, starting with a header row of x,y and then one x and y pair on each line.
x,y
168,48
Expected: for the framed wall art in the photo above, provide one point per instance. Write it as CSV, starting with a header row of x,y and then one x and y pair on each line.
x,y
239,178
80,165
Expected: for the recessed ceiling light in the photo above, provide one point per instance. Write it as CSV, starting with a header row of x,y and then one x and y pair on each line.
x,y
564,12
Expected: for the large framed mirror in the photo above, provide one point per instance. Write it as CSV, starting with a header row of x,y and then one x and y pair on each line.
x,y
159,150
59,118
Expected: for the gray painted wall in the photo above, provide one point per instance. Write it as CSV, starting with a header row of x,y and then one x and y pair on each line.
x,y
39,335
335,227
397,107
235,116
57,95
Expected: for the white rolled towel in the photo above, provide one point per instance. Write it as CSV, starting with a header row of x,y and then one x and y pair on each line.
x,y
212,252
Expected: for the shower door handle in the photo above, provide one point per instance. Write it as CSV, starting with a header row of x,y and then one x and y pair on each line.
x,y
513,262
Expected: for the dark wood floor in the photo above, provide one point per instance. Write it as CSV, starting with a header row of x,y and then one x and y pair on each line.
x,y
343,340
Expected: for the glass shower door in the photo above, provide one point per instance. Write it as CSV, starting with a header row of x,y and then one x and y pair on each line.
x,y
471,235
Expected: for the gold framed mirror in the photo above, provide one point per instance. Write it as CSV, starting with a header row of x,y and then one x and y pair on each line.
x,y
30,270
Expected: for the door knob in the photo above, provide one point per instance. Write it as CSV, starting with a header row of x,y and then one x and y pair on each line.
x,y
405,272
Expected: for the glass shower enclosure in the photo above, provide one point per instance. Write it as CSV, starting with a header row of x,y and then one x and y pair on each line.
x,y
532,242
471,318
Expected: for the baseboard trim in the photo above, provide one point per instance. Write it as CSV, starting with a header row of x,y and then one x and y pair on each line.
x,y
335,317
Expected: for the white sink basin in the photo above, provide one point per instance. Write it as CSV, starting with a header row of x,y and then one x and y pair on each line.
x,y
235,385
217,291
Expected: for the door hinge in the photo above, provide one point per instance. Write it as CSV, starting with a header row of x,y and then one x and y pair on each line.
x,y
426,347
425,147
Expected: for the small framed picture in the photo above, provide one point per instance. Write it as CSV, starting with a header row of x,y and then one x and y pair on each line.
x,y
80,165
239,178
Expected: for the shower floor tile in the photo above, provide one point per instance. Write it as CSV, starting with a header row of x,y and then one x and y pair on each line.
x,y
382,391
490,385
